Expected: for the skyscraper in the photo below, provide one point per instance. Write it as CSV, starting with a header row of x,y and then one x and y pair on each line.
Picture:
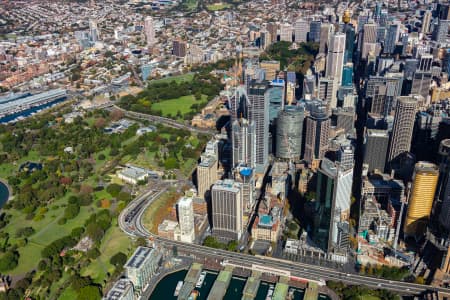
x,y
376,147
443,192
392,36
258,113
227,210
206,175
314,31
326,30
289,132
272,29
405,113
301,29
149,31
94,33
317,133
179,48
421,199
186,219
369,38
441,31
286,31
426,22
335,57
328,91
333,200
290,87
243,143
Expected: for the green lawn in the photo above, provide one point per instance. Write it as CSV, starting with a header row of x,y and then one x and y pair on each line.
x,y
68,294
218,6
178,78
182,104
8,169
113,242
368,297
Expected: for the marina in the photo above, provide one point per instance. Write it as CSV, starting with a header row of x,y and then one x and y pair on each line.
x,y
237,288
15,108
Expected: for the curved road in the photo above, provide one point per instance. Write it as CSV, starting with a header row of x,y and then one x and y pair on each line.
x,y
130,223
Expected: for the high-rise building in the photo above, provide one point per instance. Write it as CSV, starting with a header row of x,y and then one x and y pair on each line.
x,y
426,22
271,67
265,39
245,176
349,42
309,86
346,157
258,113
326,31
347,75
369,38
317,133
291,82
286,31
421,83
206,175
405,113
392,37
314,31
441,31
333,200
243,143
343,118
335,57
94,32
179,48
376,147
443,193
272,29
301,29
421,200
186,219
227,210
149,31
289,131
328,91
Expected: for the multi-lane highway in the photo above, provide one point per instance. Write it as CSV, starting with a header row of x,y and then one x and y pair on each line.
x,y
130,222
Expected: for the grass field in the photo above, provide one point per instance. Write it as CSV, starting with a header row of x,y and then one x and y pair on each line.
x,y
114,241
182,104
177,78
68,294
218,6
159,209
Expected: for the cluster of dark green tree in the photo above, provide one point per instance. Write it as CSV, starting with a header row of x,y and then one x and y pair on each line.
x,y
201,84
61,171
298,60
356,292
386,272
212,242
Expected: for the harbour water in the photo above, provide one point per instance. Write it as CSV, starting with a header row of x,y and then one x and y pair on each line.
x,y
30,111
166,288
4,194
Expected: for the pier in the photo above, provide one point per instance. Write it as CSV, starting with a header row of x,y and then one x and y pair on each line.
x,y
251,286
221,284
190,280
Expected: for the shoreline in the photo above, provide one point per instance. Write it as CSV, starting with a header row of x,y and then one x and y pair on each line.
x,y
10,191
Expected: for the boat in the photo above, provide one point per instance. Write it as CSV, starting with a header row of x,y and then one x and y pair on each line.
x,y
194,295
201,279
270,293
178,288
290,295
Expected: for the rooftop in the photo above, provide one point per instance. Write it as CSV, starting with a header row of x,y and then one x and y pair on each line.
x,y
138,258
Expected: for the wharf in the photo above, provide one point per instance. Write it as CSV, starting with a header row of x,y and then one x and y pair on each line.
x,y
221,284
190,280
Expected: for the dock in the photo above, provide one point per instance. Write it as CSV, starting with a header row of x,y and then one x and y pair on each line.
x,y
221,284
281,291
251,286
312,291
190,280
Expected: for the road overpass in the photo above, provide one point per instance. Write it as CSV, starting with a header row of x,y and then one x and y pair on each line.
x,y
133,227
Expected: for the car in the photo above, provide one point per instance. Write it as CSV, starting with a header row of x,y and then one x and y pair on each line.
x,y
379,284
348,275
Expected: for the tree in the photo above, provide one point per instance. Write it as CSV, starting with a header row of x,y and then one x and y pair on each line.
x,y
90,292
71,211
114,189
9,261
118,259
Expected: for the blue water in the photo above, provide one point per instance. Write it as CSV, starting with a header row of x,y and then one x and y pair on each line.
x,y
166,287
4,194
28,112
